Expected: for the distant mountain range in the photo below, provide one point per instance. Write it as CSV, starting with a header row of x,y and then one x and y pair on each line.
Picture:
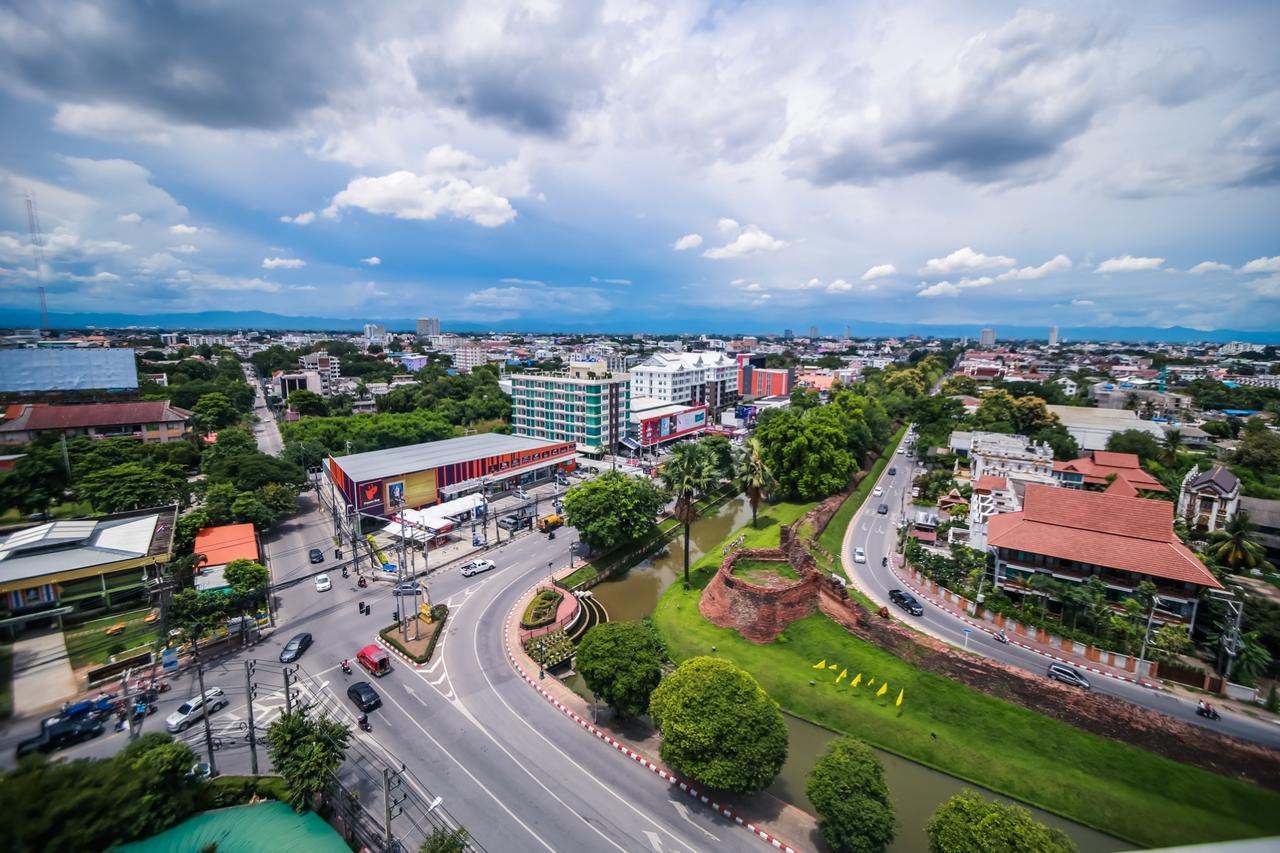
x,y
267,321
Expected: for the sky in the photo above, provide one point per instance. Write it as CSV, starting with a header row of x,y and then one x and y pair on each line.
x,y
629,165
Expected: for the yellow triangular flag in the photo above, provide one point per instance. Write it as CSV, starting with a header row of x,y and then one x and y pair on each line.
x,y
831,666
883,688
844,673
900,692
822,664
857,679
871,681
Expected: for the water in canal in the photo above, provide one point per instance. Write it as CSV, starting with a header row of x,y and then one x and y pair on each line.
x,y
916,790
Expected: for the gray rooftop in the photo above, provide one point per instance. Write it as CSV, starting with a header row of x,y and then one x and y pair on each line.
x,y
377,464
61,546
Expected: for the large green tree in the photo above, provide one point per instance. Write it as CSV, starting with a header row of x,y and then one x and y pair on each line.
x,y
690,473
213,411
1235,545
808,457
849,794
306,751
613,509
718,726
1135,441
753,475
967,823
622,664
133,486
308,403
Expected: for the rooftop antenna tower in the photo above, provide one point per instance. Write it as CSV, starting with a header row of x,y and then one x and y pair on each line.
x,y
37,250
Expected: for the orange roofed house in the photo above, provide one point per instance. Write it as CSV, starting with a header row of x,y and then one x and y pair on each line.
x,y
219,546
148,421
1101,467
1074,535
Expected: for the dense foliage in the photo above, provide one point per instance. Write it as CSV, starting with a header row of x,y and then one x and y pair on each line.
x,y
306,751
718,726
967,823
849,794
613,509
360,433
692,472
622,664
190,379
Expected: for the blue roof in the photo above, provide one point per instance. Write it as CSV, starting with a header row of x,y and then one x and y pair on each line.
x,y
1231,384
1240,412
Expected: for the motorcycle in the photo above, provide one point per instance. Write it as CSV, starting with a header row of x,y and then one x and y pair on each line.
x,y
1000,637
344,571
363,722
884,561
346,668
1208,711
362,582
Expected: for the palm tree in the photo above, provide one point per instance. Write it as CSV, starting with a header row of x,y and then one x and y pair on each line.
x,y
1252,659
754,475
1172,443
691,471
1234,546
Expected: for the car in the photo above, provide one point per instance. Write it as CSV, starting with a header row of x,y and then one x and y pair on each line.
x,y
407,588
877,491
323,584
200,770
364,696
902,450
915,492
859,555
194,708
1067,675
475,567
293,649
317,556
906,601
60,735
883,509
513,523
893,471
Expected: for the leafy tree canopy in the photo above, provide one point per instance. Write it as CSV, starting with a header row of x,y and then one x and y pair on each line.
x,y
967,823
622,664
1135,441
613,509
848,792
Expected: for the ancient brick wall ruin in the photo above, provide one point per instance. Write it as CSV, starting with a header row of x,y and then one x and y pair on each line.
x,y
757,613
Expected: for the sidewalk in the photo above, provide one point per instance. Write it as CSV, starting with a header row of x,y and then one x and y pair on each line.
x,y
42,676
637,741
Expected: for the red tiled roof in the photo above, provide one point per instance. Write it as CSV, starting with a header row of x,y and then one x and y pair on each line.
x,y
1125,533
221,545
1096,467
43,416
991,483
1121,486
1110,459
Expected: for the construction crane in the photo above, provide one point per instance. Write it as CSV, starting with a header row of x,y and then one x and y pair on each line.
x,y
37,250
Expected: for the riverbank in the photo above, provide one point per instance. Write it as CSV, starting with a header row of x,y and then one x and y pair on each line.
x,y
1113,787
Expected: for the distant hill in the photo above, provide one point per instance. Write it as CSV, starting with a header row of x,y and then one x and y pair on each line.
x,y
265,320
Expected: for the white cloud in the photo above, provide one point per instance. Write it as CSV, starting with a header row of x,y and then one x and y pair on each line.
x,y
966,260
622,281
110,122
879,271
532,282
1128,263
688,241
214,281
1262,265
839,286
750,241
1267,287
942,288
301,219
754,287
1057,263
183,229
1209,266
283,263
1082,302
727,225
185,249
129,217
372,261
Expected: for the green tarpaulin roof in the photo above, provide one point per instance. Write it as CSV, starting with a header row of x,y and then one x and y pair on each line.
x,y
246,829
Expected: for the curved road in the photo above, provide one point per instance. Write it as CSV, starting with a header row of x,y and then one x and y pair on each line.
x,y
877,536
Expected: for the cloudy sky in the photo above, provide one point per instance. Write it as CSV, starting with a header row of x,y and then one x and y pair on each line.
x,y
623,165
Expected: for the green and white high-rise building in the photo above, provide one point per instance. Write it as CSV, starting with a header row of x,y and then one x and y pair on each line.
x,y
587,404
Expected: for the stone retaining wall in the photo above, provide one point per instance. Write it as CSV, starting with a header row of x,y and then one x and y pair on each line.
x,y
757,613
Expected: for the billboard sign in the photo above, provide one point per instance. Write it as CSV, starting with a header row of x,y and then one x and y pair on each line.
x,y
693,419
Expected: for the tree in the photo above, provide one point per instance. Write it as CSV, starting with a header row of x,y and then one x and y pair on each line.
x,y
306,752
1167,642
622,664
36,481
960,385
967,823
247,508
1172,444
1252,659
1134,441
1259,449
754,477
689,473
444,840
718,726
306,402
1235,547
132,486
849,794
213,411
721,449
807,456
246,577
613,509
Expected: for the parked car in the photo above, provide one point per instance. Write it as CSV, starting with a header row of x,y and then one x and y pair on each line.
x,y
293,649
883,509
893,471
317,556
194,708
902,450
364,696
906,601
323,584
859,555
1067,675
60,735
915,492
407,588
513,523
475,567
877,491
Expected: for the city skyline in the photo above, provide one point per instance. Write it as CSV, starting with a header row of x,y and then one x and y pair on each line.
x,y
720,163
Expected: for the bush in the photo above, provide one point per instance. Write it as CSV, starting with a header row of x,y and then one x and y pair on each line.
x,y
622,663
541,610
967,823
439,614
718,726
553,647
849,794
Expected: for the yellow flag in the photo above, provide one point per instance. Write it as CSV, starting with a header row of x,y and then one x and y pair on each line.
x,y
822,664
900,692
857,679
883,687
844,673
831,666
871,681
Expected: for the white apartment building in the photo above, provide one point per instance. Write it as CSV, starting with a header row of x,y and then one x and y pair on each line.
x,y
375,333
211,340
987,338
428,327
285,384
709,378
587,404
327,366
469,356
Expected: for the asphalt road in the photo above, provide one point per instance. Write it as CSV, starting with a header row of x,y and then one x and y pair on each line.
x,y
877,535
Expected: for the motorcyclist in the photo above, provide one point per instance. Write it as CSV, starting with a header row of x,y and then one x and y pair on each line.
x,y
363,721
346,666
1000,635
1202,707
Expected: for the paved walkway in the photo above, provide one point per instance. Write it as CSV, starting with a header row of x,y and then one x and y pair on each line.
x,y
42,676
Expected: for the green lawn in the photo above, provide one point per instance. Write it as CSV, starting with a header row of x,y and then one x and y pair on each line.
x,y
763,571
88,643
1108,785
6,681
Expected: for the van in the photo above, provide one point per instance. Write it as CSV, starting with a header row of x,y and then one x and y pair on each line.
x,y
375,659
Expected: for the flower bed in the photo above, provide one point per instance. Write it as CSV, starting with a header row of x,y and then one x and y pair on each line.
x,y
416,651
542,610
558,648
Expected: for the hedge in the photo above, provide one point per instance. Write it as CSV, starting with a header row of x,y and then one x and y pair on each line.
x,y
439,614
542,609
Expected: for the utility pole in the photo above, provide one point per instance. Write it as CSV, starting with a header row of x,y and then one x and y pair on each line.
x,y
391,781
208,730
289,681
250,691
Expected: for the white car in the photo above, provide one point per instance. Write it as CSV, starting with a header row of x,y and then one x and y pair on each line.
x,y
475,567
194,708
902,450
877,491
859,555
323,584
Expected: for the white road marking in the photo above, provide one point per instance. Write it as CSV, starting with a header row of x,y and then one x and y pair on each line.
x,y
684,813
654,840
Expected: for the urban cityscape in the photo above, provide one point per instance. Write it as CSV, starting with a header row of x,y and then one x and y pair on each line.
x,y
830,428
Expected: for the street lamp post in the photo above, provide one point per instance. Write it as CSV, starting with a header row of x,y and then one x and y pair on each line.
x,y
542,659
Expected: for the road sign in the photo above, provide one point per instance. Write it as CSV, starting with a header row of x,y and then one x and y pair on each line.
x,y
967,632
169,660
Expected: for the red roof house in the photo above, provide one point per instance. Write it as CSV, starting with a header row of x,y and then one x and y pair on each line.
x,y
1097,468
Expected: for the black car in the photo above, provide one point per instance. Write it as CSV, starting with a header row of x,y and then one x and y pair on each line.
x,y
317,556
60,735
906,601
293,649
364,696
407,588
883,509
893,471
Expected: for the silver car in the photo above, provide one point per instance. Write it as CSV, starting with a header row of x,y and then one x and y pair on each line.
x,y
194,708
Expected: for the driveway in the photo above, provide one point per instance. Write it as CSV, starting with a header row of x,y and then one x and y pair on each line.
x,y
42,675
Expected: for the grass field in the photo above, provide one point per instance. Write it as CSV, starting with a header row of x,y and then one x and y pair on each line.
x,y
1113,787
88,643
764,571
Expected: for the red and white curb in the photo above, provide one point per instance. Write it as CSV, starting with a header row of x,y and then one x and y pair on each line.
x,y
600,734
982,627
408,661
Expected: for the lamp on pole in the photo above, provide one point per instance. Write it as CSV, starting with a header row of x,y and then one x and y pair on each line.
x,y
542,659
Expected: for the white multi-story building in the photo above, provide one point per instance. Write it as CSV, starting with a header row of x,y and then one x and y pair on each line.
x,y
210,340
469,356
587,404
169,339
428,327
987,338
375,333
327,366
285,384
1053,336
709,378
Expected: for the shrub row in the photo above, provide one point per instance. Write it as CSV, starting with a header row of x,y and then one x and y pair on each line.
x,y
542,609
439,614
